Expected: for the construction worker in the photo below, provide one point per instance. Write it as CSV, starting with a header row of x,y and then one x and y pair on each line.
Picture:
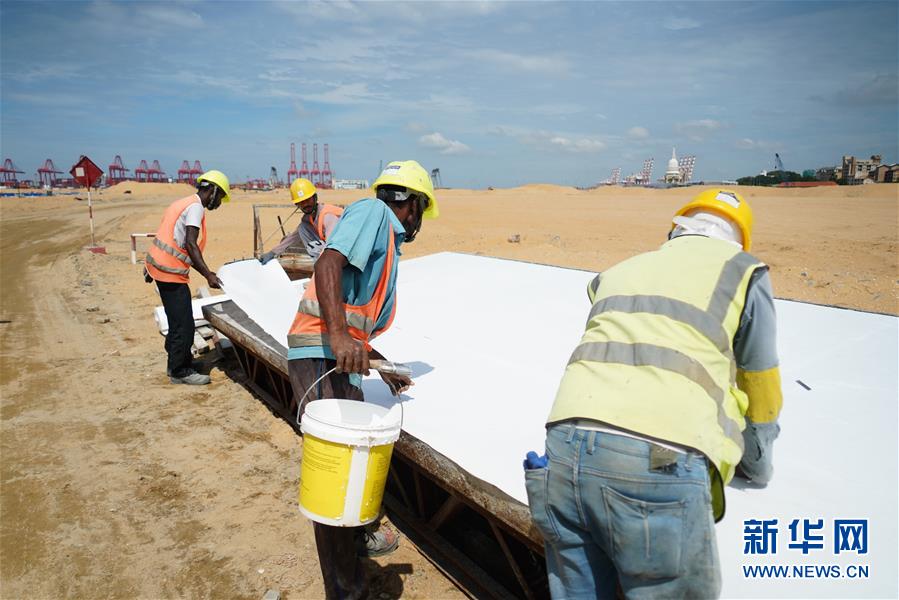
x,y
315,226
673,387
350,300
178,246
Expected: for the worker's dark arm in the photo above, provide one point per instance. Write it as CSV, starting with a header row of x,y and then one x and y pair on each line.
x,y
350,353
290,239
758,376
191,234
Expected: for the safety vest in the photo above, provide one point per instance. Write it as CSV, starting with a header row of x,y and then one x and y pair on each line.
x,y
319,223
166,261
657,356
309,327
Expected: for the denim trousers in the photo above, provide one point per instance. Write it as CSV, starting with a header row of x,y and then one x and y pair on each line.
x,y
618,511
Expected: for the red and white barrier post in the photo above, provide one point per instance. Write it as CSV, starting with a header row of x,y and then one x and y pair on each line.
x,y
134,237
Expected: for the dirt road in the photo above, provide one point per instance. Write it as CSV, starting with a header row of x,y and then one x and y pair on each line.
x,y
117,484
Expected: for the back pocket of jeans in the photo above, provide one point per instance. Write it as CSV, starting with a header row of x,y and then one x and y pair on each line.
x,y
535,483
647,536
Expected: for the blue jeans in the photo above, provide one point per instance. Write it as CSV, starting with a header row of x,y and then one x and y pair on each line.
x,y
616,511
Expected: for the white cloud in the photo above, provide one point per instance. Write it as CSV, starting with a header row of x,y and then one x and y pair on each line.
x,y
520,62
880,89
443,145
577,145
409,12
698,130
679,23
345,94
750,144
413,127
548,139
169,14
301,111
638,133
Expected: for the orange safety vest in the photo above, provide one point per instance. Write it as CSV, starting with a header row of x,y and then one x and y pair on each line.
x,y
309,327
166,261
323,211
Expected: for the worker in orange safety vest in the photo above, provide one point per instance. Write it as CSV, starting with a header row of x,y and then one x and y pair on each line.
x,y
178,246
350,300
318,220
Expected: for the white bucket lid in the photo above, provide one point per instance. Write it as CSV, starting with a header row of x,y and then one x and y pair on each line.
x,y
351,422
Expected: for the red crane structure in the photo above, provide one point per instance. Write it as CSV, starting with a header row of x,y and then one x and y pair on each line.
x,y
304,169
47,174
155,172
315,175
142,172
196,171
8,173
184,172
292,172
327,176
117,171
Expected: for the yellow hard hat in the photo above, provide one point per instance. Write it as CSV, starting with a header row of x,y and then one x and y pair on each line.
x,y
301,189
219,179
411,175
724,203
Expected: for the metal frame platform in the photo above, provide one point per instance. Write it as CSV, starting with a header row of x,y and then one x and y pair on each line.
x,y
477,535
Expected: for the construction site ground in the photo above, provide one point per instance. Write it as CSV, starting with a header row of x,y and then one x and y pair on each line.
x,y
116,483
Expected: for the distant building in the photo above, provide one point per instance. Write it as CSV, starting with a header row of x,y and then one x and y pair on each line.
x,y
826,173
673,173
885,174
855,171
350,184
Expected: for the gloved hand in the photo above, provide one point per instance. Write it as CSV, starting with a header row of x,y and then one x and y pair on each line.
x,y
532,461
266,257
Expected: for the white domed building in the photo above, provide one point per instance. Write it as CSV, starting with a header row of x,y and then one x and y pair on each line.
x,y
673,173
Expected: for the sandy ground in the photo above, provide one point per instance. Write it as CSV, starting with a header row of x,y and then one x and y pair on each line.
x,y
118,484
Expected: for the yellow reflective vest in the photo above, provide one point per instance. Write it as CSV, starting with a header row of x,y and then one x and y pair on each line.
x,y
657,356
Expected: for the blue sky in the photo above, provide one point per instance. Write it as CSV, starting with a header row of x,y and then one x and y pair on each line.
x,y
491,93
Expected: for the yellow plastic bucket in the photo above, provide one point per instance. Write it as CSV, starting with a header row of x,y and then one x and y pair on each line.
x,y
346,456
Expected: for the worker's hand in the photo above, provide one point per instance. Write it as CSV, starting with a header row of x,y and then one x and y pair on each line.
x,y
350,354
266,257
214,282
397,383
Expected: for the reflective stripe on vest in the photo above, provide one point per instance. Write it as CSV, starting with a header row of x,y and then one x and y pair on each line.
x,y
165,261
309,328
173,270
174,252
312,307
648,355
657,355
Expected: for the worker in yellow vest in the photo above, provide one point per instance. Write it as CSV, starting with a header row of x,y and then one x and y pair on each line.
x,y
316,224
178,246
350,300
672,390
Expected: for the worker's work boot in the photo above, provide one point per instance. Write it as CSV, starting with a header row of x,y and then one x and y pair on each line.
x,y
194,366
192,378
376,541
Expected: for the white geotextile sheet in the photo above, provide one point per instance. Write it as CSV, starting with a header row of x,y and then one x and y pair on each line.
x,y
264,292
488,340
162,322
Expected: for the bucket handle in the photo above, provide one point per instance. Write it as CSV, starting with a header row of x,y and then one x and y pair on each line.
x,y
309,389
314,383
